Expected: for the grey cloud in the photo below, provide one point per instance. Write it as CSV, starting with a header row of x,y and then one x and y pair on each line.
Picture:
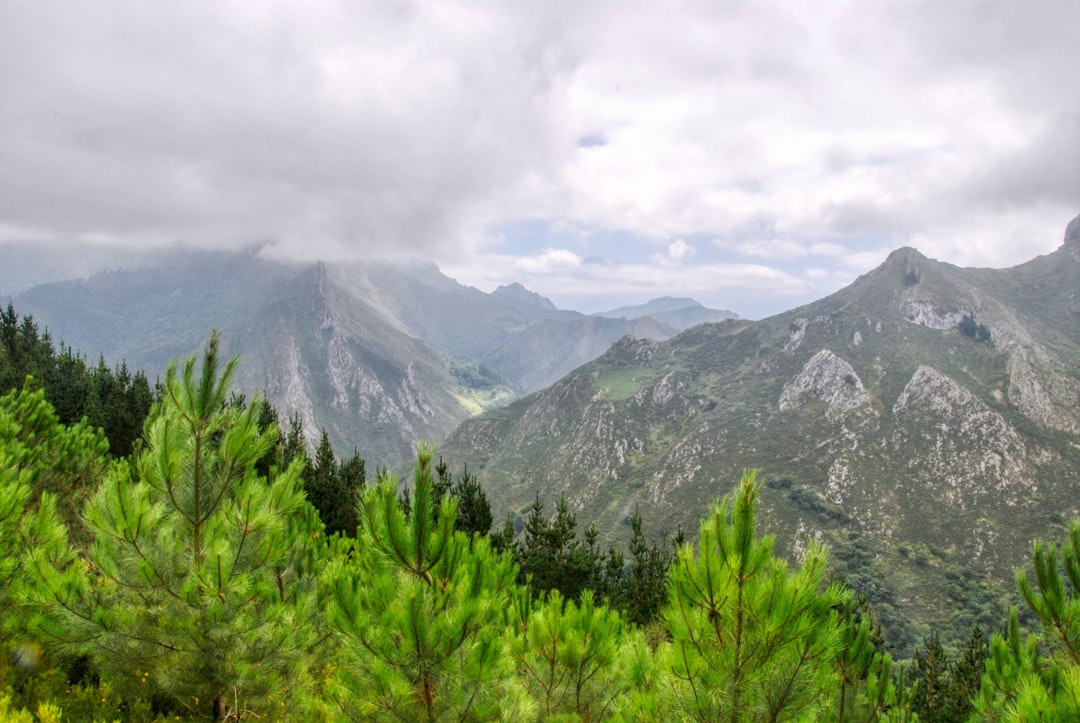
x,y
1044,170
354,124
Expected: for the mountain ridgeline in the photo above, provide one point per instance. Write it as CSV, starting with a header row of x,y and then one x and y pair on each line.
x,y
383,356
923,421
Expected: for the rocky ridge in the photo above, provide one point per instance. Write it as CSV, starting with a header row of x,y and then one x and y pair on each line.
x,y
923,421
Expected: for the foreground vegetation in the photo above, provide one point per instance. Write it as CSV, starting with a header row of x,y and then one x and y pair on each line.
x,y
195,580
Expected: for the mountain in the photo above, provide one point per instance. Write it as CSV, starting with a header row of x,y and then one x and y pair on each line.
x,y
680,313
381,355
924,421
29,263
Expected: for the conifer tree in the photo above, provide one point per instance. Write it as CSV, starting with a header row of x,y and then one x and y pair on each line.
x,y
569,656
550,555
474,510
200,576
1038,678
64,461
649,564
32,447
751,638
418,609
932,674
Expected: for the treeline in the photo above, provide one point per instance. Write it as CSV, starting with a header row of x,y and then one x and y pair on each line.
x,y
115,400
198,581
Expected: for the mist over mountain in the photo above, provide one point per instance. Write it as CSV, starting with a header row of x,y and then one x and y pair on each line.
x,y
382,355
924,421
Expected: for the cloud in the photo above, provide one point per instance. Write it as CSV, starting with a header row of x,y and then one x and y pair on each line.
x,y
551,261
795,133
572,282
677,252
369,125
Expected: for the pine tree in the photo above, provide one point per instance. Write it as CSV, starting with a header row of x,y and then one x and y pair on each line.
x,y
649,565
869,687
932,673
64,461
201,572
33,446
352,476
550,555
1038,678
474,510
967,674
751,638
568,655
417,608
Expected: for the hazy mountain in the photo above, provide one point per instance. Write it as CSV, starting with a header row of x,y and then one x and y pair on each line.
x,y
924,421
29,263
680,313
381,355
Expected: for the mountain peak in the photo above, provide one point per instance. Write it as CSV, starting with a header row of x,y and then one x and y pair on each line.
x,y
518,291
905,254
1072,233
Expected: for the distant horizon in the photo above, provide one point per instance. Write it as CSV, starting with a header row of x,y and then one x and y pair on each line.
x,y
92,259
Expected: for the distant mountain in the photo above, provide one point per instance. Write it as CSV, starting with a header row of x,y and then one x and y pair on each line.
x,y
29,263
381,355
520,293
924,421
680,313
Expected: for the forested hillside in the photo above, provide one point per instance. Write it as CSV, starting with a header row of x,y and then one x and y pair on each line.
x,y
197,582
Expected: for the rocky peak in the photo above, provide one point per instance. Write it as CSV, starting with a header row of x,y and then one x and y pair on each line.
x,y
1072,238
1072,232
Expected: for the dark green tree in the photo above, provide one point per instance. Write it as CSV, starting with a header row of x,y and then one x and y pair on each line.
x,y
474,510
647,581
931,682
551,556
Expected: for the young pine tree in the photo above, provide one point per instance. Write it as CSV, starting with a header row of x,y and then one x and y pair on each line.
x,y
568,656
1038,678
200,578
34,449
751,638
418,610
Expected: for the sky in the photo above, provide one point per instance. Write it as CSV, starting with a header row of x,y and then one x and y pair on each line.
x,y
752,155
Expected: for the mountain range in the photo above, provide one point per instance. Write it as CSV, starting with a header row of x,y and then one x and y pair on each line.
x,y
924,421
380,355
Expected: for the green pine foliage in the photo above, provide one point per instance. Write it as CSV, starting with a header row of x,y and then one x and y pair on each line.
x,y
1037,676
34,448
569,656
752,638
417,609
199,583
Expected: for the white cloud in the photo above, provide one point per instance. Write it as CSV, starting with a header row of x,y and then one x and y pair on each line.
x,y
824,133
677,252
551,261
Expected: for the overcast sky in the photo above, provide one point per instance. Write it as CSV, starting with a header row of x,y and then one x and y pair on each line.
x,y
753,155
